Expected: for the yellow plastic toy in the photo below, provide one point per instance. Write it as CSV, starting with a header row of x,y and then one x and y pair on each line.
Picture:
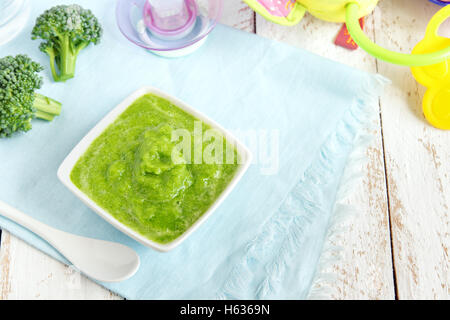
x,y
436,102
430,60
290,12
334,10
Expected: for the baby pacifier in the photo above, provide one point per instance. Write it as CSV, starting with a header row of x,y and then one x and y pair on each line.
x,y
170,28
436,101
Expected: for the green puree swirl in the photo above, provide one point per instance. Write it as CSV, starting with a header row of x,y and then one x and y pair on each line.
x,y
129,170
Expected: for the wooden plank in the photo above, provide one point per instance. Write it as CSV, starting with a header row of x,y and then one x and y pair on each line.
x,y
365,272
417,162
26,273
238,15
29,274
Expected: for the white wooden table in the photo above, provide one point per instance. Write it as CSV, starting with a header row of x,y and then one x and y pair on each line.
x,y
398,246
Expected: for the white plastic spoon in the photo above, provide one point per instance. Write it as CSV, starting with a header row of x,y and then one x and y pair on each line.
x,y
100,260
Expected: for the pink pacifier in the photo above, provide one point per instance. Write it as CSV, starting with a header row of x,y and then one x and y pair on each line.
x,y
170,28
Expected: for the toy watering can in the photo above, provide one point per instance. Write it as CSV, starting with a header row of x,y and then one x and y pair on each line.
x,y
290,12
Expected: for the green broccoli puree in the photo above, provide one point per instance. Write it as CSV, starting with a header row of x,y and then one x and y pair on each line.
x,y
129,169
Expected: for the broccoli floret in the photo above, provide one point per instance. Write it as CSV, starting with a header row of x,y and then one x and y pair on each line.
x,y
19,103
66,30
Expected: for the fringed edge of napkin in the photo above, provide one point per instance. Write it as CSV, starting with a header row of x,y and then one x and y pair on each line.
x,y
322,287
287,228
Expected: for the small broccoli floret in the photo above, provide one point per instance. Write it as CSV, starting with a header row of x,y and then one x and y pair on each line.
x,y
19,103
66,30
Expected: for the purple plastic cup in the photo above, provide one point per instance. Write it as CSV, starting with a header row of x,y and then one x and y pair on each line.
x,y
175,32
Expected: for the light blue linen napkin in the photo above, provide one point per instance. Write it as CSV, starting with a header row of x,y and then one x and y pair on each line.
x,y
266,239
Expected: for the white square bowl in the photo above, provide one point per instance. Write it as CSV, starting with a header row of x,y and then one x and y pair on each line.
x,y
71,160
